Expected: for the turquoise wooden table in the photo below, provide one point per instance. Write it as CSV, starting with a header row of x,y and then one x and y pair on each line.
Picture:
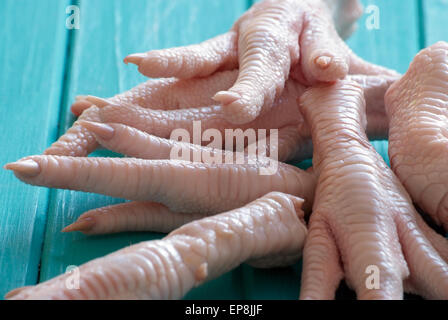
x,y
44,65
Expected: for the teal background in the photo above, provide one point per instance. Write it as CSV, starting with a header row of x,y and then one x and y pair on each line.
x,y
43,66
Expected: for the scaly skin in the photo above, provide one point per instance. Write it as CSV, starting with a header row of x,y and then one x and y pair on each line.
x,y
138,144
77,141
270,229
185,100
164,94
145,215
271,39
131,216
417,107
163,122
182,186
362,215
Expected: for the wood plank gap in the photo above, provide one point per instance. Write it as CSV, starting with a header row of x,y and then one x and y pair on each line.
x,y
421,20
71,39
32,60
67,76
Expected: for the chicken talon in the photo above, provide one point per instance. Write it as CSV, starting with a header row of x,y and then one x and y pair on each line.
x,y
135,58
226,97
131,216
188,256
181,185
101,102
199,60
323,62
84,225
27,168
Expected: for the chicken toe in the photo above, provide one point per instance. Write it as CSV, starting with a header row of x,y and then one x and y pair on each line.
x,y
364,210
271,226
417,107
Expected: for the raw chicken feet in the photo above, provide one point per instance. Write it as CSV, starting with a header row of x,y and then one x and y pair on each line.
x,y
363,220
183,186
267,232
176,103
417,107
268,41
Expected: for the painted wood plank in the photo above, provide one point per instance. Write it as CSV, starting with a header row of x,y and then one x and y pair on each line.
x,y
396,42
109,31
435,13
393,44
32,57
66,206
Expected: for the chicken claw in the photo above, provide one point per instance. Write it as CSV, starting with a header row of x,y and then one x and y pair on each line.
x,y
176,103
183,186
132,216
268,41
270,231
363,226
77,141
417,106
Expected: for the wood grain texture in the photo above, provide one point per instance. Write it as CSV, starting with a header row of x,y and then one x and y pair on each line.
x,y
393,45
109,31
33,64
396,42
32,56
434,21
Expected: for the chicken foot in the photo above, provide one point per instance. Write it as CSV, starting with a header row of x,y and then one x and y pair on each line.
x,y
363,227
268,41
182,186
169,101
268,232
417,106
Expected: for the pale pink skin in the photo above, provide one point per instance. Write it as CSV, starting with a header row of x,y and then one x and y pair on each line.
x,y
150,106
268,232
417,106
220,53
183,186
271,39
362,215
132,216
152,216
